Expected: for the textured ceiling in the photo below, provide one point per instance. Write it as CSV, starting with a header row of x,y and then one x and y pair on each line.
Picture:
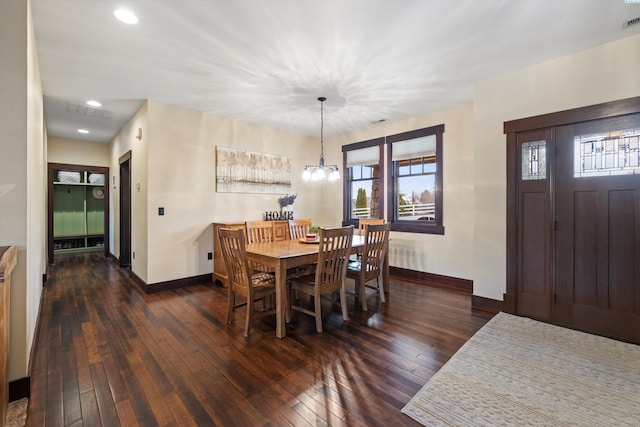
x,y
266,62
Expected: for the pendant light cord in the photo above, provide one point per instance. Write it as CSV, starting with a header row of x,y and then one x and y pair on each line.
x,y
322,99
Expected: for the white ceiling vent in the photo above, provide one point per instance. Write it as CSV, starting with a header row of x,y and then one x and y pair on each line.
x,y
631,21
83,110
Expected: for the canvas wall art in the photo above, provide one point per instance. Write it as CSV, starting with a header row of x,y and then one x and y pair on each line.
x,y
242,171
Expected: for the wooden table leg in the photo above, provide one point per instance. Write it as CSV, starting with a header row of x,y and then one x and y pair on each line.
x,y
281,299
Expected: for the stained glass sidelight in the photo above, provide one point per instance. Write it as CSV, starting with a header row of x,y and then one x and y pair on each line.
x,y
607,153
534,160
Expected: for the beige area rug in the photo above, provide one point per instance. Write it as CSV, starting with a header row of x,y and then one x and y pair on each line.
x,y
17,413
519,372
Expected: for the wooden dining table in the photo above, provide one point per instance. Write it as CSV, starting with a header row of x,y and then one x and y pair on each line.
x,y
286,254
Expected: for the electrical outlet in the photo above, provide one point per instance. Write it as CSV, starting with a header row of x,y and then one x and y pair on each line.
x,y
160,211
210,255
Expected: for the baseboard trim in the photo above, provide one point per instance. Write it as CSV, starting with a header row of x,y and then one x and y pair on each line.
x,y
464,285
19,389
486,304
170,284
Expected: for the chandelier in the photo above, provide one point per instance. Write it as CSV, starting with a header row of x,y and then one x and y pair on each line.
x,y
321,171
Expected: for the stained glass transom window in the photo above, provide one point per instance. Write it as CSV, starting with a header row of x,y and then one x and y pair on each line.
x,y
534,160
607,153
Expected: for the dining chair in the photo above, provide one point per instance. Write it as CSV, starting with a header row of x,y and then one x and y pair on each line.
x,y
241,279
298,228
369,266
259,231
363,222
331,268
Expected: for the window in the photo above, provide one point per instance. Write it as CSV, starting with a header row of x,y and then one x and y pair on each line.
x,y
534,160
607,154
363,183
415,180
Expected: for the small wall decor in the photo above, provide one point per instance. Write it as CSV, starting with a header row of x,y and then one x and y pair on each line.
x,y
242,171
287,200
283,201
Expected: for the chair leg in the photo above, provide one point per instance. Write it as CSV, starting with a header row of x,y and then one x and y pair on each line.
x,y
316,304
247,322
230,303
343,302
381,288
363,294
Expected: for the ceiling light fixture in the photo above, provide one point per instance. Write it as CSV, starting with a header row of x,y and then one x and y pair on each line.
x,y
320,172
94,103
83,131
125,16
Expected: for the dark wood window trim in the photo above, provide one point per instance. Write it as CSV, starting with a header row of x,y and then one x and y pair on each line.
x,y
416,226
346,203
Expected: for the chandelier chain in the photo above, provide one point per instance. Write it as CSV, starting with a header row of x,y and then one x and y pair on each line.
x,y
322,99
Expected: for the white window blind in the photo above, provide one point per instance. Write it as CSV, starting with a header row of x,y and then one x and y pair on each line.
x,y
411,148
363,156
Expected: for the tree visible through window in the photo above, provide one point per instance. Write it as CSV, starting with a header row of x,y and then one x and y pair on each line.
x,y
363,189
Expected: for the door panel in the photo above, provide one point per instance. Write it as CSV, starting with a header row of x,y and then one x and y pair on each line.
x,y
597,243
586,247
534,267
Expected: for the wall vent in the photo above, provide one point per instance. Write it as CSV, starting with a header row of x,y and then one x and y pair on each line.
x,y
87,111
631,21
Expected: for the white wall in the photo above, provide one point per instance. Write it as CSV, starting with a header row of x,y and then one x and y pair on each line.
x,y
174,163
604,73
22,175
124,142
450,254
181,178
77,152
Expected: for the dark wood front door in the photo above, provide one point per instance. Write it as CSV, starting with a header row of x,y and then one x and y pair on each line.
x,y
597,222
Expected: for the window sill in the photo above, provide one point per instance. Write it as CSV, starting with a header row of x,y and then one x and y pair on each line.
x,y
417,227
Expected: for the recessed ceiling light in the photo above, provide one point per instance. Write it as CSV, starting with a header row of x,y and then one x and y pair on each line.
x,y
125,16
94,103
83,131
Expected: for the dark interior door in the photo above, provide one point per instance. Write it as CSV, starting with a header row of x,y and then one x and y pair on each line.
x,y
597,256
535,257
125,213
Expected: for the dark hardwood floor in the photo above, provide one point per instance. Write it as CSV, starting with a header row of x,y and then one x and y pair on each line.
x,y
108,354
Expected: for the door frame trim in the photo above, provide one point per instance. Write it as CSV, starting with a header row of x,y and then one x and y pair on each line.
x,y
126,157
51,168
511,129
